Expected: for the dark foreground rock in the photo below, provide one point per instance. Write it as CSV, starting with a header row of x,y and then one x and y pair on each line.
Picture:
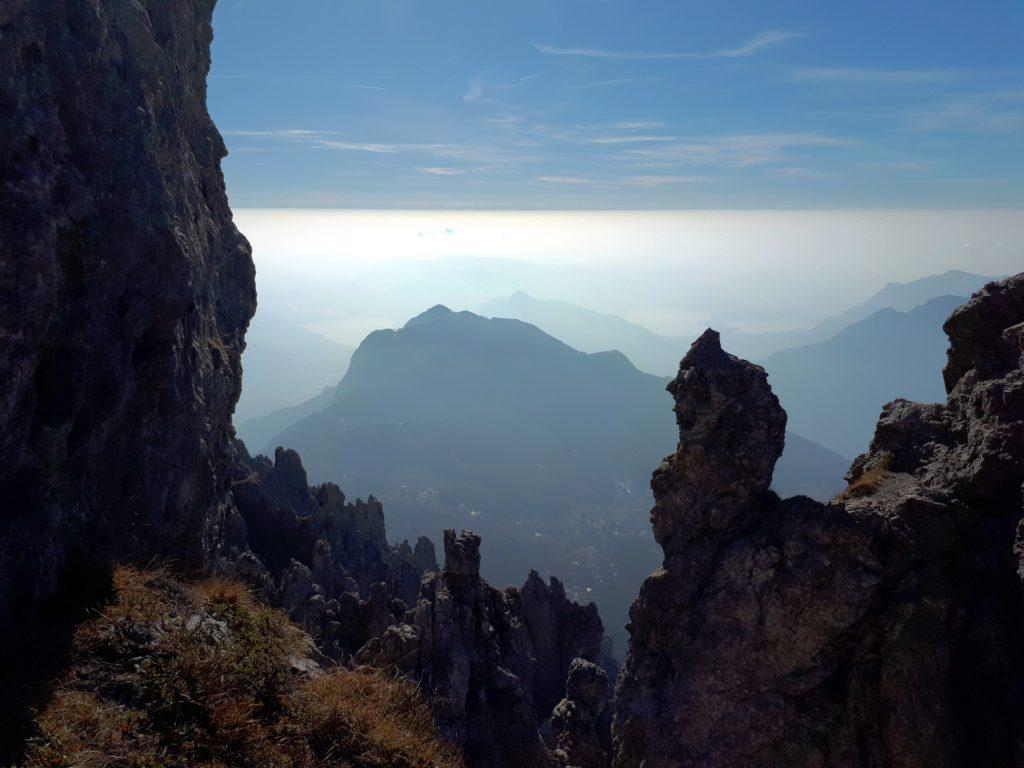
x,y
496,660
323,560
125,292
884,629
577,730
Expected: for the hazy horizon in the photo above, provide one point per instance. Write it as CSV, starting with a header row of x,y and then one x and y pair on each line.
x,y
674,272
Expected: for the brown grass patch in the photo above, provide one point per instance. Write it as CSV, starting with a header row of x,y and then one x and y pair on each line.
x,y
368,719
869,480
177,676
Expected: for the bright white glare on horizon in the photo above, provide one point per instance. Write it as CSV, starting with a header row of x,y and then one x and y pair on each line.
x,y
672,271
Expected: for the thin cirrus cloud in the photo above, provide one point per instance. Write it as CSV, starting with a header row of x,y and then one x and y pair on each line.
x,y
872,76
572,180
752,46
631,125
628,181
736,150
628,139
482,156
437,170
310,78
479,88
616,81
326,140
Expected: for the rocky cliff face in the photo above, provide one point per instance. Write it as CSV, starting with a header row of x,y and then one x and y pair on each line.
x,y
125,291
497,661
883,629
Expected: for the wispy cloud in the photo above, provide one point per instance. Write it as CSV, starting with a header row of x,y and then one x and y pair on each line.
x,y
737,150
802,172
626,181
628,139
602,133
479,87
752,46
661,181
872,76
283,133
978,112
356,146
634,125
435,170
311,78
479,154
617,81
996,111
438,171
573,180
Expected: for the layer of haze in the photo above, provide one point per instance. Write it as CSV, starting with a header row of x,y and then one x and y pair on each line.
x,y
345,273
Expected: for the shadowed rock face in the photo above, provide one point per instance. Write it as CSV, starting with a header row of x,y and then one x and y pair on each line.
x,y
734,433
575,731
324,561
495,660
883,629
125,292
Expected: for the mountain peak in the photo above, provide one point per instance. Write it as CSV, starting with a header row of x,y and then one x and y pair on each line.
x,y
434,313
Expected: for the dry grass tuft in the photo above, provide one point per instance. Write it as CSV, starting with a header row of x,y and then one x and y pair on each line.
x,y
177,676
381,720
869,480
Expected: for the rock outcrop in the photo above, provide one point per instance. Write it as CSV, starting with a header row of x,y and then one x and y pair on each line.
x,y
324,561
125,292
490,657
576,732
883,629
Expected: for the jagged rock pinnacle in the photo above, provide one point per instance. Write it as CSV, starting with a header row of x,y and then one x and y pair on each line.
x,y
731,433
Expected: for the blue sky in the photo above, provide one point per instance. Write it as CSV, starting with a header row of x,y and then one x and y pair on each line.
x,y
620,103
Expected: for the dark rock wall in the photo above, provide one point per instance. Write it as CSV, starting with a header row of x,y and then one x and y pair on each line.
x,y
125,292
883,629
495,660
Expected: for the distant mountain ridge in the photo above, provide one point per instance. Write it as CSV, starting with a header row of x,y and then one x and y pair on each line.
x,y
495,382
834,390
592,331
902,297
492,424
514,413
